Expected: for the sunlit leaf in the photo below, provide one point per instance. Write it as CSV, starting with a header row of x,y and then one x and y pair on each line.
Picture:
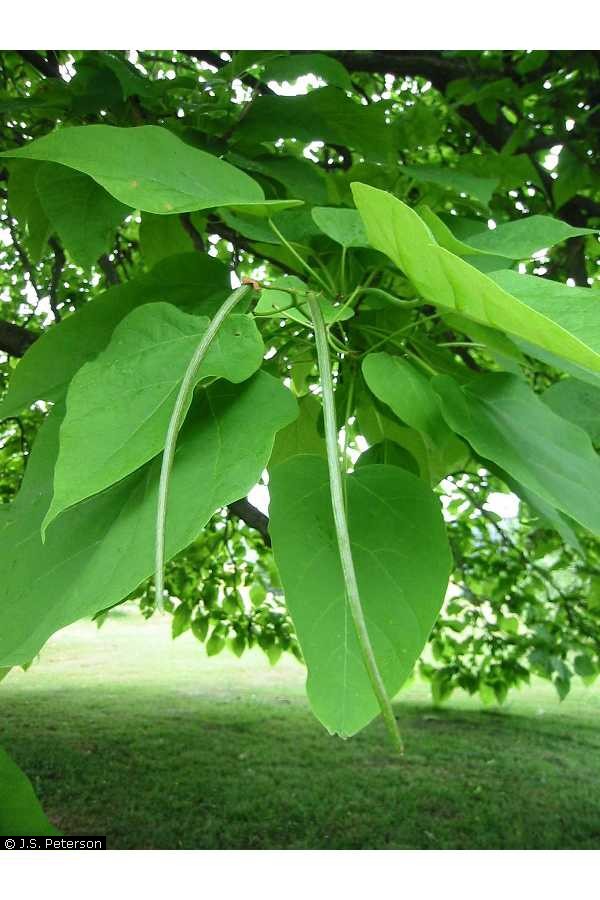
x,y
146,167
119,404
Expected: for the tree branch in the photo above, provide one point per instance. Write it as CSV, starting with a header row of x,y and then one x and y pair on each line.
x,y
253,517
14,339
192,231
47,67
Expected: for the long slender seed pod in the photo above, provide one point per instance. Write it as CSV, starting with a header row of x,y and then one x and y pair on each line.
x,y
180,409
341,526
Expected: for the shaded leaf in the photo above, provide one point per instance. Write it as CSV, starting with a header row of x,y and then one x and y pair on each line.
x,y
99,551
195,282
326,114
81,212
25,205
504,421
162,236
455,180
409,394
578,403
342,225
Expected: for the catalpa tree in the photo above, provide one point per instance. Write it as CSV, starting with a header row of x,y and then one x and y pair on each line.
x,y
366,278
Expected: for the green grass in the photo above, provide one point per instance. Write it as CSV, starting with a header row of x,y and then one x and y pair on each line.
x,y
126,733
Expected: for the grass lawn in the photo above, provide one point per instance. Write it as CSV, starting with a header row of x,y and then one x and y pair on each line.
x,y
127,733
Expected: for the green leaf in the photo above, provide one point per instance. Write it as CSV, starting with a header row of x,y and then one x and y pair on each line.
x,y
548,514
510,624
277,302
393,517
83,215
162,236
290,68
99,551
216,641
181,620
526,236
301,435
457,181
504,421
390,454
299,177
418,126
120,403
146,167
572,327
194,282
409,394
342,225
20,810
326,114
296,226
496,341
199,627
25,205
584,666
444,236
577,402
560,319
258,594
511,240
378,428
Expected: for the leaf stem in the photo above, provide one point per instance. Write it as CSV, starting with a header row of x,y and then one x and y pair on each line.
x,y
178,415
390,298
300,259
341,525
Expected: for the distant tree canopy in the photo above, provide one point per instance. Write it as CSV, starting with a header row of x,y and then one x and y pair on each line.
x,y
455,342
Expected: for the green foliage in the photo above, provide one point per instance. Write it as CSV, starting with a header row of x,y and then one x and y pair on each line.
x,y
130,165
367,198
83,215
506,423
96,554
20,811
119,404
393,517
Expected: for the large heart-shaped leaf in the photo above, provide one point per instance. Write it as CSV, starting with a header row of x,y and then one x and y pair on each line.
x,y
402,563
194,282
99,551
120,403
327,114
504,421
559,319
148,168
